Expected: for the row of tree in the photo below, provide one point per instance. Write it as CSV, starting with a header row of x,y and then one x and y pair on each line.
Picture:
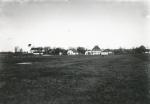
x,y
81,50
138,50
57,51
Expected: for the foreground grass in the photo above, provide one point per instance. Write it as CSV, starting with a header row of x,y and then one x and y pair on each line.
x,y
120,79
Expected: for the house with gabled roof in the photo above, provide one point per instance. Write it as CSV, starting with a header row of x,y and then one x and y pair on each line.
x,y
37,50
72,52
95,51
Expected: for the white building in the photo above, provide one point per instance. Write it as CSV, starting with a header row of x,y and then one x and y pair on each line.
x,y
72,52
95,51
60,53
88,52
104,53
148,52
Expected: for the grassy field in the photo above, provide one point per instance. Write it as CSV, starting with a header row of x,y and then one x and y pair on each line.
x,y
117,79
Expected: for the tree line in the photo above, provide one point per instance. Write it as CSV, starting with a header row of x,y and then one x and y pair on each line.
x,y
137,50
81,50
57,51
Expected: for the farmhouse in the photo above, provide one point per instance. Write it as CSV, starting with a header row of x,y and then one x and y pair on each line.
x,y
37,50
72,52
89,52
147,51
95,51
106,52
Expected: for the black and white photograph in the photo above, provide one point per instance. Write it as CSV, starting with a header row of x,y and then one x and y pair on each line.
x,y
74,52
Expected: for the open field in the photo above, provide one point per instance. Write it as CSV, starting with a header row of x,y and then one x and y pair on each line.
x,y
118,79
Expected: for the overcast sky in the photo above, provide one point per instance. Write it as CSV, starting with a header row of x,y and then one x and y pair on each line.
x,y
72,23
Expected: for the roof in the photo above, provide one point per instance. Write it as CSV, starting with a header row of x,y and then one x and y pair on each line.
x,y
106,50
74,50
37,48
96,48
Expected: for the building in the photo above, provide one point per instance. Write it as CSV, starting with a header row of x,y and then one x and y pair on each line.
x,y
106,52
60,53
148,52
95,51
89,52
72,52
37,50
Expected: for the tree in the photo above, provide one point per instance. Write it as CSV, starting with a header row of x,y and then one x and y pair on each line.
x,y
140,49
64,52
47,50
81,50
56,51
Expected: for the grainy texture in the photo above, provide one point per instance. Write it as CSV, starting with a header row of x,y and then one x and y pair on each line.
x,y
116,79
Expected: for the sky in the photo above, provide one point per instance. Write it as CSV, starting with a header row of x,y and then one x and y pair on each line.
x,y
73,23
